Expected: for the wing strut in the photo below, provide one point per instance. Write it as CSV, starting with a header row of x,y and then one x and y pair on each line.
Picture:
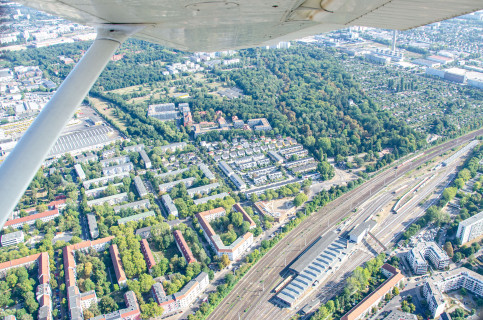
x,y
21,165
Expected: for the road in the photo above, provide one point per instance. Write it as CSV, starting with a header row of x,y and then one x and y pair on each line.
x,y
254,289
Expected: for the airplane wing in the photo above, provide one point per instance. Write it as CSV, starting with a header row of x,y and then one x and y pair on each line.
x,y
192,25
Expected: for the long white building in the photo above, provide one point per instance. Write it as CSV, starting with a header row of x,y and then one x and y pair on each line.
x,y
470,228
427,250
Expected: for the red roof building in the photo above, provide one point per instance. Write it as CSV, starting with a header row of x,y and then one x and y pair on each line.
x,y
245,215
148,255
183,247
365,306
44,216
116,261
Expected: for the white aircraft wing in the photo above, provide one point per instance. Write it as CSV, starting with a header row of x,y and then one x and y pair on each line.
x,y
216,25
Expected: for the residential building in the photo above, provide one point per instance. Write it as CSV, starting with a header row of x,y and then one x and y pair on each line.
x,y
120,168
173,147
131,312
395,277
116,262
112,200
103,180
148,255
233,251
246,216
207,172
79,171
140,187
427,250
114,161
183,247
12,238
275,157
147,161
136,205
136,217
85,159
447,281
30,220
300,162
273,186
399,315
259,124
43,291
213,197
203,189
100,191
169,205
470,228
135,148
182,299
171,173
166,187
92,223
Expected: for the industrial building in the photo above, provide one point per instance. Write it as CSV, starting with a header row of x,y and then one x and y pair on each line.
x,y
360,231
85,140
313,266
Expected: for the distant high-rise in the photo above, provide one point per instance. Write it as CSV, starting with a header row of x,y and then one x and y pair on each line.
x,y
394,39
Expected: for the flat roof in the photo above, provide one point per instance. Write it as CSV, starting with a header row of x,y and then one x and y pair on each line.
x,y
136,217
85,138
313,251
471,220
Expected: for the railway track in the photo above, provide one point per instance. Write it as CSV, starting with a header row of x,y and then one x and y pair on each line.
x,y
254,289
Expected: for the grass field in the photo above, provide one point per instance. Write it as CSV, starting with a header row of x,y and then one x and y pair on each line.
x,y
103,108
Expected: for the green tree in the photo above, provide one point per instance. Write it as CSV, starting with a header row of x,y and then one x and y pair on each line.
x,y
151,310
300,199
107,304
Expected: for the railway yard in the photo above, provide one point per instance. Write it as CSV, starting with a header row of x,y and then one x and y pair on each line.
x,y
419,181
